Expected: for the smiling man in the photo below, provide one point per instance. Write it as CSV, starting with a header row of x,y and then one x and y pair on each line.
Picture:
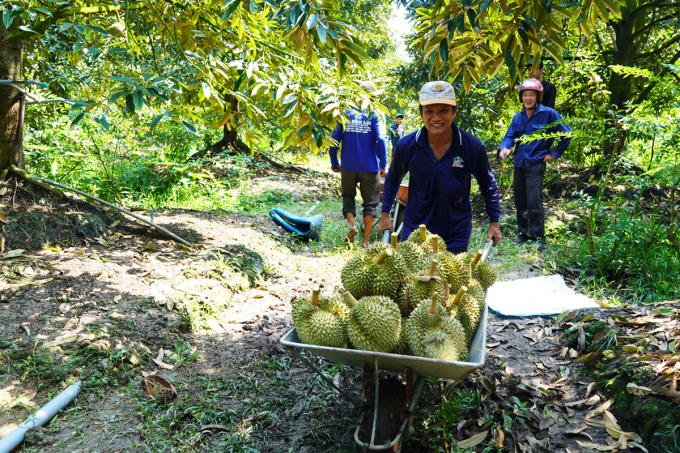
x,y
531,159
441,159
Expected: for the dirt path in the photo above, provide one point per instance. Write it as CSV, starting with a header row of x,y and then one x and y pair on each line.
x,y
102,312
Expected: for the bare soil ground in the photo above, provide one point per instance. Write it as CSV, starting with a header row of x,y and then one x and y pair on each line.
x,y
109,310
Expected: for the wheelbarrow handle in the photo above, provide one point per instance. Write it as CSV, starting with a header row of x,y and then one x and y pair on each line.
x,y
386,236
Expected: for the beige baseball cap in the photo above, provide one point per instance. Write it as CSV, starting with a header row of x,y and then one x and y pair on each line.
x,y
438,92
370,88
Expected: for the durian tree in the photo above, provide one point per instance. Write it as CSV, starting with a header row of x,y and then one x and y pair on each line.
x,y
473,41
242,60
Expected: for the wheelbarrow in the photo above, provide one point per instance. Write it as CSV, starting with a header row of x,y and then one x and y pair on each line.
x,y
388,411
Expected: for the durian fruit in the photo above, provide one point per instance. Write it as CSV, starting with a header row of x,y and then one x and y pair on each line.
x,y
387,271
469,310
411,253
419,287
482,272
117,29
431,333
354,278
374,323
402,346
421,237
321,321
378,272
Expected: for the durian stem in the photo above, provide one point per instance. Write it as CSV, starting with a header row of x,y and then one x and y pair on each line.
x,y
435,245
380,259
433,306
315,295
433,268
459,295
470,269
348,297
478,256
423,232
393,239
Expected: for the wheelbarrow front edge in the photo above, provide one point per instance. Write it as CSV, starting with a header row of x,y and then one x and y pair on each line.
x,y
421,366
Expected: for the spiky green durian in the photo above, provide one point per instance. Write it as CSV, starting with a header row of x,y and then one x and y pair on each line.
x,y
374,323
421,237
484,274
411,253
354,278
321,321
402,346
377,272
469,311
423,286
387,272
430,332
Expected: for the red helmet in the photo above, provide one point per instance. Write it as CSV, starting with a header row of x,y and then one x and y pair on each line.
x,y
531,84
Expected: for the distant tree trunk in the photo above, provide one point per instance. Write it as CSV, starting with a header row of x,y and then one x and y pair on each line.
x,y
625,54
11,102
230,139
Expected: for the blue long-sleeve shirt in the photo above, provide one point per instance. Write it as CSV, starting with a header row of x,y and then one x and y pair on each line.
x,y
363,144
439,192
534,152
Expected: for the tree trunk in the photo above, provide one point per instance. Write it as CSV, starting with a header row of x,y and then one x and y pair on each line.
x,y
230,139
620,87
11,102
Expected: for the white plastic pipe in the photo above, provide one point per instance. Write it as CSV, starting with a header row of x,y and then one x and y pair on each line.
x,y
44,414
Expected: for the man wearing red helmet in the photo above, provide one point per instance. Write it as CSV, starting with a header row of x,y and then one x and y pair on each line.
x,y
531,158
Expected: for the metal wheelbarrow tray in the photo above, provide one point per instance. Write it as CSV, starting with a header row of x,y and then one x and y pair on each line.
x,y
374,402
421,366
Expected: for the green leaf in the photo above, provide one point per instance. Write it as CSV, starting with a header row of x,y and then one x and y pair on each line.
x,y
66,26
116,95
77,120
510,62
321,31
129,104
312,20
45,11
97,29
156,120
138,98
207,92
189,127
444,50
288,99
288,110
7,17
302,130
485,4
231,6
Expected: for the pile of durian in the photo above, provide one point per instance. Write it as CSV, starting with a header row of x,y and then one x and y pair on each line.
x,y
411,298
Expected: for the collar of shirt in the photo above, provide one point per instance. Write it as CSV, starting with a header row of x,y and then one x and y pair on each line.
x,y
539,109
421,137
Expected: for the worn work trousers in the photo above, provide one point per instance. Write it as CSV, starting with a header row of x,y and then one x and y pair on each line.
x,y
369,185
528,184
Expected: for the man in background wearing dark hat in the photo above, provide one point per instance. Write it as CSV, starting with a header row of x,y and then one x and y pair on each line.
x,y
549,90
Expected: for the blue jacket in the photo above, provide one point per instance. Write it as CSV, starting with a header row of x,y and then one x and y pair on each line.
x,y
363,144
534,152
394,138
439,192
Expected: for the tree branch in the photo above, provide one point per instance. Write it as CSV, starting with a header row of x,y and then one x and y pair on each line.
x,y
650,25
660,48
24,174
653,83
646,6
47,23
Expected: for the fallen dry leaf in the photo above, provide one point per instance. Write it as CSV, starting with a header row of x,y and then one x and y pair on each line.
x,y
637,390
158,389
599,447
601,408
590,388
67,339
474,440
500,437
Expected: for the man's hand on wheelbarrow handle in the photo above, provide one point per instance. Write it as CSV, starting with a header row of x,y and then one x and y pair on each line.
x,y
336,169
385,223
